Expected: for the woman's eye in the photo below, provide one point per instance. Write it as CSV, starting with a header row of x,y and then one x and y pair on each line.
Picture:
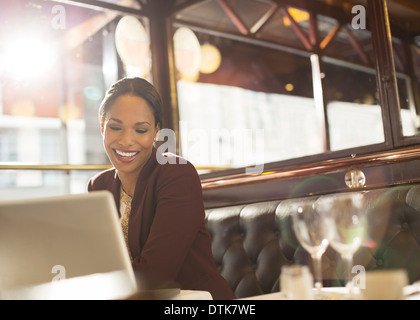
x,y
114,128
141,130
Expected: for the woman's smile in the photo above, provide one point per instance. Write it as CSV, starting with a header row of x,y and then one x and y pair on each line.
x,y
125,156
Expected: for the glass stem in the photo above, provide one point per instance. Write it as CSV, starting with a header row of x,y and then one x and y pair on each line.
x,y
317,271
348,261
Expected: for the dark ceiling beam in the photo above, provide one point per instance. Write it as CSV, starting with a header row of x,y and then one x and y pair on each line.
x,y
313,30
233,17
157,7
318,7
357,46
242,38
187,4
300,33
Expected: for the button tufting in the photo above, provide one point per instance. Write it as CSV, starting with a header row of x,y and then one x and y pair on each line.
x,y
260,248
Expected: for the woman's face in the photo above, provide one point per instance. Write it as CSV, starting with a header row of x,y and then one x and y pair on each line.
x,y
128,133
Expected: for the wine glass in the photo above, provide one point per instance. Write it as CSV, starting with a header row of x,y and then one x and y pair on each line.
x,y
346,226
309,230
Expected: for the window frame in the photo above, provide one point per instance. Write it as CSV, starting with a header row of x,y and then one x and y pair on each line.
x,y
386,82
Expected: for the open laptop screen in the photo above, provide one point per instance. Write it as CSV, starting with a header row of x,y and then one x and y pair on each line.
x,y
54,238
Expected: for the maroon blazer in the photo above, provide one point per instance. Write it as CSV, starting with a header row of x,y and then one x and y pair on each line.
x,y
167,236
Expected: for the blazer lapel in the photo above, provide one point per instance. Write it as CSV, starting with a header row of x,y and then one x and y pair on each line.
x,y
115,190
136,228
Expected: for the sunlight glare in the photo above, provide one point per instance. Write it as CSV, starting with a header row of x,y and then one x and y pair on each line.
x,y
29,57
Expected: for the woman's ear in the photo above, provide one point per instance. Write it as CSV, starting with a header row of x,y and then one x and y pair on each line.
x,y
155,139
102,127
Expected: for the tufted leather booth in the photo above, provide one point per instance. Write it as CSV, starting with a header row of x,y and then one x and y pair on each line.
x,y
251,242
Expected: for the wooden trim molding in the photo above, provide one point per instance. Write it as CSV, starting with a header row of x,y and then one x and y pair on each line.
x,y
380,169
328,166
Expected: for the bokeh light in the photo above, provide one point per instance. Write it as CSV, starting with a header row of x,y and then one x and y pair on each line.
x,y
187,53
210,58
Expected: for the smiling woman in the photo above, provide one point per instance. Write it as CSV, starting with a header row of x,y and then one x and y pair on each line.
x,y
161,204
129,142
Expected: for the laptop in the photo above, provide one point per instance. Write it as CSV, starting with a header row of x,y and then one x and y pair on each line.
x,y
72,239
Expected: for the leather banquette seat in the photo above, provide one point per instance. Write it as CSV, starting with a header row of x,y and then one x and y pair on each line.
x,y
251,242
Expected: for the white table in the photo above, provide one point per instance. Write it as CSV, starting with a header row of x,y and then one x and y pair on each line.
x,y
193,295
333,293
411,292
109,286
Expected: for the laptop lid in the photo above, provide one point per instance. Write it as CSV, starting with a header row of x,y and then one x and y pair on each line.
x,y
62,237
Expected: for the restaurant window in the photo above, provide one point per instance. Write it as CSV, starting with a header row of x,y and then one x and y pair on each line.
x,y
352,107
416,81
304,101
407,67
252,104
56,62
